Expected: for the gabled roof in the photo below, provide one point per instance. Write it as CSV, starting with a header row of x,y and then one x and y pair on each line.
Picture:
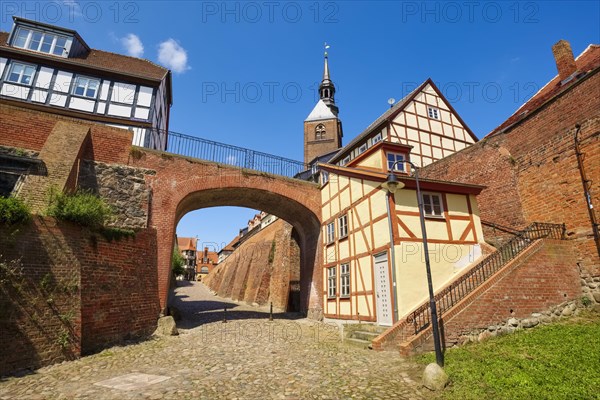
x,y
186,243
231,245
98,60
586,62
391,113
321,111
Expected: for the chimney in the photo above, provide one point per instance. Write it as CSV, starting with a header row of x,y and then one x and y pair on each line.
x,y
565,63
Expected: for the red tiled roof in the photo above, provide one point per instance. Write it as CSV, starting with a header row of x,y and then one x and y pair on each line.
x,y
213,258
230,246
186,243
586,62
100,60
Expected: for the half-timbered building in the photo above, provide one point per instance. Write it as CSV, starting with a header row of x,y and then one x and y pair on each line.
x,y
373,259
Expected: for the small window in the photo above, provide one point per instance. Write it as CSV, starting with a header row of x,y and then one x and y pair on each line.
x,y
86,87
432,204
21,73
345,280
204,270
324,177
362,148
320,132
433,112
331,282
394,160
43,42
330,232
343,226
345,161
376,139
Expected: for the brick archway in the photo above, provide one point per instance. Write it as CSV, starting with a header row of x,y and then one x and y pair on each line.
x,y
181,185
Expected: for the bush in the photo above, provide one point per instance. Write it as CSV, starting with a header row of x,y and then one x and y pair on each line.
x,y
177,263
13,211
83,208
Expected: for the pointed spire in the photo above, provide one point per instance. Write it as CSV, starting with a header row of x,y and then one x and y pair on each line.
x,y
327,88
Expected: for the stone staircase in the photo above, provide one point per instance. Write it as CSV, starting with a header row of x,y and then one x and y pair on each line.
x,y
362,335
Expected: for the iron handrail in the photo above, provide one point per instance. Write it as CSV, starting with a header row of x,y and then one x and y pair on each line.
x,y
210,150
458,290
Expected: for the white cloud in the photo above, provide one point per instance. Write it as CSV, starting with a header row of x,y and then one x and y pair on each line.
x,y
133,45
173,56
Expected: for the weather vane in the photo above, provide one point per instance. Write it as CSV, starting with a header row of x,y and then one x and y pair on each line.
x,y
326,47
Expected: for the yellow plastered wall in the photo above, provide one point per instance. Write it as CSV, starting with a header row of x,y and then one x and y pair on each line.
x,y
448,261
373,160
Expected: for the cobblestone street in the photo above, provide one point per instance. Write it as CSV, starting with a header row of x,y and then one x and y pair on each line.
x,y
246,358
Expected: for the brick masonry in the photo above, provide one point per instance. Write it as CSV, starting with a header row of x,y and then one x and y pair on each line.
x,y
531,171
71,292
544,276
260,269
182,185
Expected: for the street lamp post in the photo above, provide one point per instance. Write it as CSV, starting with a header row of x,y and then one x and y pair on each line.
x,y
392,184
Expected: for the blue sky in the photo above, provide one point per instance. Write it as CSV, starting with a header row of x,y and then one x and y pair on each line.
x,y
246,73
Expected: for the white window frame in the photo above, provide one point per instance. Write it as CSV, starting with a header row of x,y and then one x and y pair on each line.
x,y
345,161
324,177
427,199
376,139
330,232
54,46
21,74
331,282
343,226
345,280
87,80
398,167
433,112
363,147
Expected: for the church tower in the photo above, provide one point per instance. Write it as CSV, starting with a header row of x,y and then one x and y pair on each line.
x,y
322,127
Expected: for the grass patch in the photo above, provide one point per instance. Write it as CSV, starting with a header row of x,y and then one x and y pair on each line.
x,y
13,211
83,208
558,361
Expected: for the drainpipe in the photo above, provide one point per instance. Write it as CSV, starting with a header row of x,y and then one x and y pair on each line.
x,y
392,256
587,184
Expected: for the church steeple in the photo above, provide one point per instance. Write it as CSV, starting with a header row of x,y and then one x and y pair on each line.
x,y
322,127
327,88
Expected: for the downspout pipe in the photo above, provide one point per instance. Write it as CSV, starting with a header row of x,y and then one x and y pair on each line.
x,y
392,255
587,183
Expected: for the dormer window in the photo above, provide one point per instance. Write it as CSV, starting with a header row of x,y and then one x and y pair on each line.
x,y
395,160
43,42
320,132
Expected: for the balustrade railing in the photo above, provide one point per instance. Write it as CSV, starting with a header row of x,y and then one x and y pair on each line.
x,y
458,290
204,149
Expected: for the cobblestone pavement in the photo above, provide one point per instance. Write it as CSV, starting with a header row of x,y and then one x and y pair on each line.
x,y
246,358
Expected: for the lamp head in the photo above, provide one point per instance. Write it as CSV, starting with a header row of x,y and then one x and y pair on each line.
x,y
392,184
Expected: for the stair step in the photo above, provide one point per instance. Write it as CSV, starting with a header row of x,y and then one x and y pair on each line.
x,y
363,335
363,344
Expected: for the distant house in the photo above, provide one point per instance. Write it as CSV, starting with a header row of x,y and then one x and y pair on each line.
x,y
206,263
187,247
227,250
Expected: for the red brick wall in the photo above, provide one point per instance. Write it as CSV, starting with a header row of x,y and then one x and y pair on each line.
x,y
534,283
531,170
72,284
29,129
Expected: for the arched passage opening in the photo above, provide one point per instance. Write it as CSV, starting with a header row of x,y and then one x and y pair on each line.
x,y
305,223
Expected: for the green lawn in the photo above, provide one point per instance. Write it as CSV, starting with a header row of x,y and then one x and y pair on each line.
x,y
558,361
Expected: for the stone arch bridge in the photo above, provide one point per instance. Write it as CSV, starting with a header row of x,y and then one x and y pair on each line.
x,y
181,184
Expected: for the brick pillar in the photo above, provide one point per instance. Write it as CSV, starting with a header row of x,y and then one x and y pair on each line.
x,y
61,154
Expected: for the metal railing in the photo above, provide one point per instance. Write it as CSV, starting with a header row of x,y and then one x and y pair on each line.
x,y
204,149
458,290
